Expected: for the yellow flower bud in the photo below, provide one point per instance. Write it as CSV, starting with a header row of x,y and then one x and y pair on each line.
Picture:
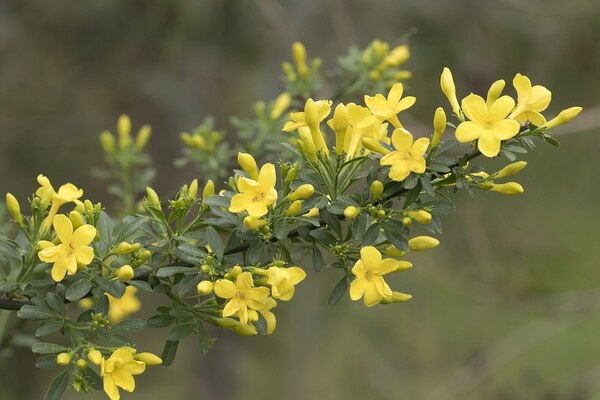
x,y
509,188
374,146
376,189
82,364
248,164
204,288
76,219
339,124
495,91
12,204
303,192
282,102
198,142
125,273
294,208
439,125
397,56
406,221
400,297
447,85
510,169
419,243
402,75
299,54
123,248
107,141
421,216
254,223
63,359
235,271
236,326
95,357
313,212
351,212
563,117
149,359
143,136
145,255
152,197
393,251
193,189
403,266
209,189
288,71
124,131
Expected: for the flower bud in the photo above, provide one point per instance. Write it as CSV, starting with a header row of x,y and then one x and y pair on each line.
x,y
209,189
236,326
254,223
510,169
123,248
397,56
439,125
421,216
374,146
294,208
403,266
193,189
63,359
95,357
125,273
204,288
149,359
400,297
124,131
313,212
351,212
376,189
299,55
495,91
302,192
12,204
142,138
282,102
288,71
248,164
393,251
107,141
563,117
449,90
76,219
235,271
419,243
339,124
82,364
402,75
509,188
145,255
406,221
152,197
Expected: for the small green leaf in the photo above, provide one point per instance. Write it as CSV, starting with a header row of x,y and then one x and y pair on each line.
x,y
113,287
160,321
78,289
35,313
180,331
169,271
339,291
47,348
215,242
169,352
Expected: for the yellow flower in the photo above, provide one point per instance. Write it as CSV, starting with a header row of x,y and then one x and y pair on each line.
x,y
72,250
368,283
489,124
397,56
66,193
117,372
314,113
408,155
256,196
242,296
119,309
387,109
281,103
531,100
282,280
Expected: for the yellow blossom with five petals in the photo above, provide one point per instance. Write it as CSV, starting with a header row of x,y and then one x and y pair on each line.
x,y
387,109
241,296
312,116
531,100
368,283
117,372
488,123
256,196
72,250
67,193
408,156
282,280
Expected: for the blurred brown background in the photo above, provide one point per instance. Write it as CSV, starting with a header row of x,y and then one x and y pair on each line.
x,y
507,306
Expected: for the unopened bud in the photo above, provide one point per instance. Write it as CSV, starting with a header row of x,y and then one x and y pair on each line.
x,y
313,212
508,188
82,364
495,91
152,197
149,359
123,248
449,90
142,138
400,297
302,192
248,164
294,208
393,251
351,212
376,189
204,288
209,189
419,243
95,357
421,216
374,146
193,189
125,273
510,169
281,103
107,141
563,117
439,125
63,359
12,204
254,223
76,219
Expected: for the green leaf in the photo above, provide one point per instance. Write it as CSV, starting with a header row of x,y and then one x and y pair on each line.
x,y
46,362
371,235
215,242
78,289
160,321
131,227
115,288
56,303
216,201
48,327
317,259
104,227
129,325
58,386
48,348
35,313
339,291
169,271
169,352
204,341
92,378
180,331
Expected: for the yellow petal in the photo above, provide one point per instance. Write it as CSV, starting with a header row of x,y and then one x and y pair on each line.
x,y
402,139
419,147
59,270
51,254
468,131
474,108
239,202
256,209
371,295
501,108
522,85
297,274
506,129
83,236
370,256
386,266
488,145
405,103
110,388
84,255
395,93
267,176
64,228
399,171
357,289
225,289
123,379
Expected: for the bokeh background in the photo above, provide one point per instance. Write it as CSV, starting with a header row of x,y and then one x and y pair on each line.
x,y
508,307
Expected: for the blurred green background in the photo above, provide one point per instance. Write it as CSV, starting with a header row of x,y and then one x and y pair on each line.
x,y
506,308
